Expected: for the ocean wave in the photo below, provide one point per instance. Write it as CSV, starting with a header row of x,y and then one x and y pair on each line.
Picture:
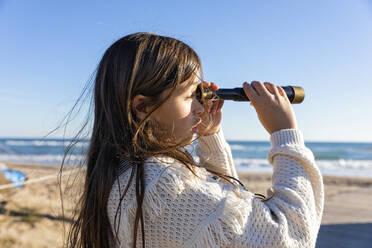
x,y
252,165
42,143
235,147
42,159
341,167
346,164
238,147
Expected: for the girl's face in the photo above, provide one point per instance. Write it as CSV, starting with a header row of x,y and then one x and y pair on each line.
x,y
180,114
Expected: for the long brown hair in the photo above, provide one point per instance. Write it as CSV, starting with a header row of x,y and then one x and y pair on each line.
x,y
140,63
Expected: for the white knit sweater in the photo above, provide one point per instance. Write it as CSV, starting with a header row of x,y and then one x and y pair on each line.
x,y
182,210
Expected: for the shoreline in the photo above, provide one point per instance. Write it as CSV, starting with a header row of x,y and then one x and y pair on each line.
x,y
35,210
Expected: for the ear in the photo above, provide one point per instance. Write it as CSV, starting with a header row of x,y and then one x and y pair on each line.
x,y
141,106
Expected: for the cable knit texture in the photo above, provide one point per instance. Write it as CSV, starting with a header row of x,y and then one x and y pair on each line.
x,y
181,210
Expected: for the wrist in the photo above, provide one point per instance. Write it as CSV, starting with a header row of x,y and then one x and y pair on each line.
x,y
285,137
213,142
283,127
210,132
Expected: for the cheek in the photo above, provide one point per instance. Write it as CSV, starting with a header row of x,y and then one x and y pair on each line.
x,y
180,117
177,117
180,109
185,109
185,118
175,111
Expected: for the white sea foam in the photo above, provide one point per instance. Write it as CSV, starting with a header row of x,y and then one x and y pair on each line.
x,y
238,147
354,168
252,165
42,143
235,147
41,159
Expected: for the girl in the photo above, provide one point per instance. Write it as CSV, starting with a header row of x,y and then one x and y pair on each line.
x,y
144,189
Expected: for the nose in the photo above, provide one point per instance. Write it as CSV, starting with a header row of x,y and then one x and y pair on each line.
x,y
198,108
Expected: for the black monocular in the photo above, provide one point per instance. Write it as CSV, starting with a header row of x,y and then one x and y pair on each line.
x,y
295,94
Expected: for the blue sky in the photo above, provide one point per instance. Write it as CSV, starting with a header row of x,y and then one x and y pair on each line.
x,y
48,50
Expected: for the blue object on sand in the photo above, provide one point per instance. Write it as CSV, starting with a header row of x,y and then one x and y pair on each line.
x,y
14,176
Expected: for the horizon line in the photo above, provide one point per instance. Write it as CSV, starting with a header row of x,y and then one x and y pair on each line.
x,y
227,139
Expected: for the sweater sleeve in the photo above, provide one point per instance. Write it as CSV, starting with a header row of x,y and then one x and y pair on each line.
x,y
200,212
215,154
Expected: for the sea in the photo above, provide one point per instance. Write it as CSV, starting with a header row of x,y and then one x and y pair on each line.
x,y
335,159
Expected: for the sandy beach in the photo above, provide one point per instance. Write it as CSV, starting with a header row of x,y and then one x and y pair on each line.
x,y
32,216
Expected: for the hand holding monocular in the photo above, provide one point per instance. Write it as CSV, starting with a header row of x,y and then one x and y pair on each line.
x,y
295,94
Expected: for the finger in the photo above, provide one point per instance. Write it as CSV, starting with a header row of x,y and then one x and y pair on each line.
x,y
260,88
276,91
214,107
209,104
205,84
270,87
250,92
282,93
220,104
217,105
213,86
280,90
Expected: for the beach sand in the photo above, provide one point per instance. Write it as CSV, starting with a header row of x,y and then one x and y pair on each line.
x,y
32,216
